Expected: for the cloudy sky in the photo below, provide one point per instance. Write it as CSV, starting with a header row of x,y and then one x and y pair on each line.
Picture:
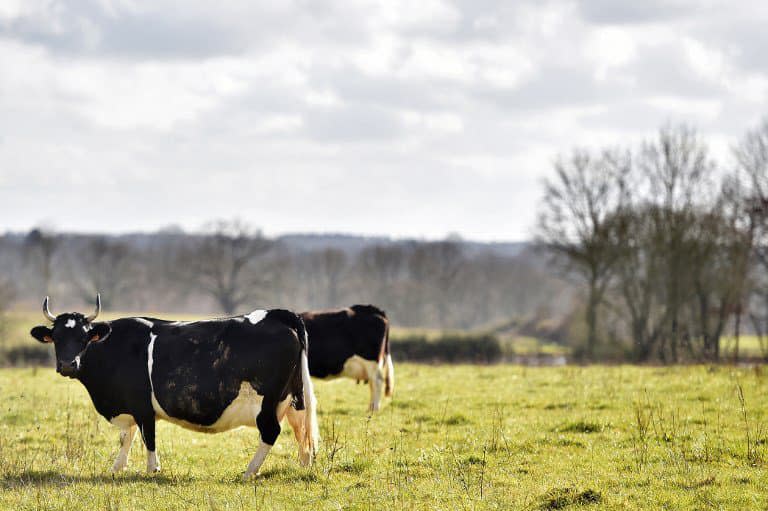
x,y
379,117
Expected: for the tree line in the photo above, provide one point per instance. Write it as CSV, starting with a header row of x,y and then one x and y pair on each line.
x,y
669,246
231,267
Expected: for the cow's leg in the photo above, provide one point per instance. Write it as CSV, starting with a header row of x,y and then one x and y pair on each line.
x,y
147,428
296,420
376,383
269,429
126,439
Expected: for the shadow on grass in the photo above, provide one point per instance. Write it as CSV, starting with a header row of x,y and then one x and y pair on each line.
x,y
289,475
279,474
53,478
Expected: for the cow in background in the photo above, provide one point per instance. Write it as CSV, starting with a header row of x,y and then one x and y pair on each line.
x,y
352,343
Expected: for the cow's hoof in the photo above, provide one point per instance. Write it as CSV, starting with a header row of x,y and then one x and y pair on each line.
x,y
251,476
305,458
153,470
119,467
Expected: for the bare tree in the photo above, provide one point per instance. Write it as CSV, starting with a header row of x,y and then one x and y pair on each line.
x,y
678,173
42,245
575,223
435,267
103,265
638,277
330,264
381,270
752,158
223,263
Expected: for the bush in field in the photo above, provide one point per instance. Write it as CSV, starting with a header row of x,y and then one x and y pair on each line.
x,y
452,348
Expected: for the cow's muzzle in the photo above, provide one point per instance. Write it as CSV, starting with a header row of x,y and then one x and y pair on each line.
x,y
68,369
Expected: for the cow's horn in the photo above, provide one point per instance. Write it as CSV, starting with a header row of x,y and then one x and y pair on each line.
x,y
47,311
98,309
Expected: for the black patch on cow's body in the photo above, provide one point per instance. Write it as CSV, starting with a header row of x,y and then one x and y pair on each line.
x,y
198,369
335,336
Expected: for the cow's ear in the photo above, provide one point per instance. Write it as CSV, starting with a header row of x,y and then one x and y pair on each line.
x,y
99,332
42,334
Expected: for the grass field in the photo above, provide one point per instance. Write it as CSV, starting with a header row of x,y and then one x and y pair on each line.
x,y
455,437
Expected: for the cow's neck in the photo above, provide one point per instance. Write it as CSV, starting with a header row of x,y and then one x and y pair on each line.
x,y
94,365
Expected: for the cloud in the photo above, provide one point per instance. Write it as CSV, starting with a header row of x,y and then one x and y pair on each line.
x,y
374,116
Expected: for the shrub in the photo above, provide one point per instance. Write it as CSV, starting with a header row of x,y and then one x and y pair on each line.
x,y
450,348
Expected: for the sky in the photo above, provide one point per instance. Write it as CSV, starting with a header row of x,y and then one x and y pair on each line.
x,y
399,118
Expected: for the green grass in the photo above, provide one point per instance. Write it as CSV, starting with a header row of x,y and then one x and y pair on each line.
x,y
455,437
749,346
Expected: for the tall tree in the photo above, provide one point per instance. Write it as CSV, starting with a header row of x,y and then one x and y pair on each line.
x,y
678,177
42,245
576,223
222,263
103,265
752,158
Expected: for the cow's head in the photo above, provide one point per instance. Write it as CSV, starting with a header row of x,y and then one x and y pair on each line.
x,y
71,333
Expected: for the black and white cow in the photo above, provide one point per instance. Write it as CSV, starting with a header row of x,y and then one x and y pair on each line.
x,y
352,342
209,376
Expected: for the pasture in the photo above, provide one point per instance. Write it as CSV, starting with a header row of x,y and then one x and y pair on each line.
x,y
454,437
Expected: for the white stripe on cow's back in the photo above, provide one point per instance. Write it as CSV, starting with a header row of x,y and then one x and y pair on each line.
x,y
150,358
256,316
145,322
150,361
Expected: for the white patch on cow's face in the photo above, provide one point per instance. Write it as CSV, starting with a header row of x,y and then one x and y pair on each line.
x,y
256,316
70,323
77,362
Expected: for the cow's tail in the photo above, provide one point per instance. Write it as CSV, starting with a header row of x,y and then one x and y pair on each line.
x,y
311,434
389,374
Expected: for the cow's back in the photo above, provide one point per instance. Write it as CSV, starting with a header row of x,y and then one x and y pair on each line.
x,y
199,368
336,336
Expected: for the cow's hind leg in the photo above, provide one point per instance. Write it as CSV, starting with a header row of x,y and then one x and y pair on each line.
x,y
376,382
269,429
126,439
297,422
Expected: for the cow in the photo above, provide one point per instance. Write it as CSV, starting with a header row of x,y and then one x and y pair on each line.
x,y
352,342
209,376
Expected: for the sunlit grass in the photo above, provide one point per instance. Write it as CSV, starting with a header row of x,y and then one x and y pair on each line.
x,y
458,437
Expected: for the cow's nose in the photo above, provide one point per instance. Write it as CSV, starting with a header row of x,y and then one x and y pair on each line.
x,y
68,368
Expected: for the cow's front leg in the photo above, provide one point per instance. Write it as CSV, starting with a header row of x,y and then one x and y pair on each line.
x,y
126,439
147,428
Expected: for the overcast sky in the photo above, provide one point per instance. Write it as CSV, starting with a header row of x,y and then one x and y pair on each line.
x,y
404,118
